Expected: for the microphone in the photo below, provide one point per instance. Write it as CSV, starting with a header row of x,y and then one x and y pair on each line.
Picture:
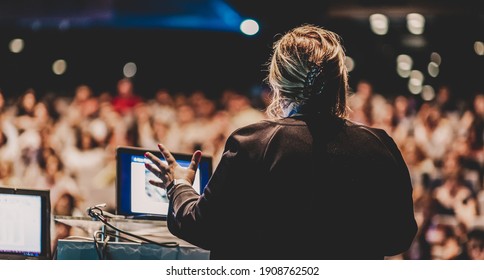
x,y
90,212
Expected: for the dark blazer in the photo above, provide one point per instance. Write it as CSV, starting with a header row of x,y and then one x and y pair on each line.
x,y
301,188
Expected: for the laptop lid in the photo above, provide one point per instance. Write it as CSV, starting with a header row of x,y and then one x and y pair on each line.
x,y
135,196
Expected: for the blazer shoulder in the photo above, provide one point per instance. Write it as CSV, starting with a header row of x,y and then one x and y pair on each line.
x,y
253,138
378,133
383,138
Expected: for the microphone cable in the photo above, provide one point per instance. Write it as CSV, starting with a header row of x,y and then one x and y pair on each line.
x,y
97,213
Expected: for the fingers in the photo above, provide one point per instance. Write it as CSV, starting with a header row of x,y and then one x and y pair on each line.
x,y
166,154
157,184
155,170
158,162
197,155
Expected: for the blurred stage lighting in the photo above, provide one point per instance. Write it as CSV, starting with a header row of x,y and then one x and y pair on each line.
x,y
350,63
415,23
404,65
479,48
379,24
414,89
404,62
129,69
249,27
59,66
433,69
16,45
416,78
435,57
64,24
403,73
428,93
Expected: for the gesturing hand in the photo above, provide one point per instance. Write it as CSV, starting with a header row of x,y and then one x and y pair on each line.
x,y
170,170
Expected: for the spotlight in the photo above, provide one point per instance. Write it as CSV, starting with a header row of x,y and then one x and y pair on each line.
x,y
249,27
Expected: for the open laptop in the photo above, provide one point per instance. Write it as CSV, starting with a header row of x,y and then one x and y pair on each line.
x,y
135,196
24,224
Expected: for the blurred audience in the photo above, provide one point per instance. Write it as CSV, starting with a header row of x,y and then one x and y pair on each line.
x,y
67,145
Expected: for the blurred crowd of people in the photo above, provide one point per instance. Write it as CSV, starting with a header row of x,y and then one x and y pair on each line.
x,y
442,143
67,144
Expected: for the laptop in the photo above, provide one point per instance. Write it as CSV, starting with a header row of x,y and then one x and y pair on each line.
x,y
138,199
24,224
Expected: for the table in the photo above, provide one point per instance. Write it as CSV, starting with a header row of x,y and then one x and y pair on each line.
x,y
85,250
82,246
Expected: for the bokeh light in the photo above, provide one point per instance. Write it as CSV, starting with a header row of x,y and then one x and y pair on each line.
x,y
428,93
59,67
479,48
130,69
416,78
415,89
379,24
16,45
415,23
433,69
350,63
435,57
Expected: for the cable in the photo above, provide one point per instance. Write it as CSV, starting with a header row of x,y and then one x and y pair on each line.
x,y
123,237
105,247
97,213
96,245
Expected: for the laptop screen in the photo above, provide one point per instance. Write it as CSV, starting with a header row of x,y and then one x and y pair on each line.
x,y
24,224
136,197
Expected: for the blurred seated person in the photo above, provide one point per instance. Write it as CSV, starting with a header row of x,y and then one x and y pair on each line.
x,y
421,168
9,146
24,117
7,176
443,240
241,111
65,206
452,194
433,132
55,179
125,99
474,247
472,168
360,103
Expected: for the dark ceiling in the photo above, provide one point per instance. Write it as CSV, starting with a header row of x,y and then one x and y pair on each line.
x,y
192,44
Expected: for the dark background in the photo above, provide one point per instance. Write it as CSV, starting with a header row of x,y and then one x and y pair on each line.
x,y
184,45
